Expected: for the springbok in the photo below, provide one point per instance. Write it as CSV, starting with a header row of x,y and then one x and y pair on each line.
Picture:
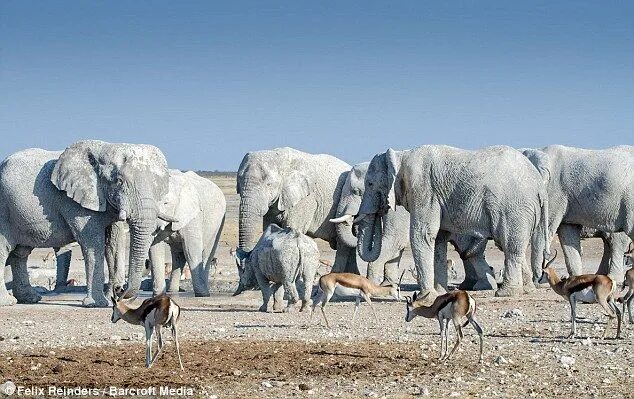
x,y
351,284
455,306
153,314
586,288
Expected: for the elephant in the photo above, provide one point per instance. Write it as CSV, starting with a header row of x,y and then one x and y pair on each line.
x,y
280,258
198,207
293,189
396,238
589,188
493,193
50,199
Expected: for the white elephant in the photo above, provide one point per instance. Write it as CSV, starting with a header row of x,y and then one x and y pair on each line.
x,y
386,268
292,189
490,193
197,207
50,199
591,188
281,257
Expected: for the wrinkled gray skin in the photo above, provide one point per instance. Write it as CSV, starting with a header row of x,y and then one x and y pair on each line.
x,y
396,238
292,189
281,257
494,192
590,188
197,207
50,199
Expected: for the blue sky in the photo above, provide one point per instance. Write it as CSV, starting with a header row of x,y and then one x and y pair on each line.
x,y
208,81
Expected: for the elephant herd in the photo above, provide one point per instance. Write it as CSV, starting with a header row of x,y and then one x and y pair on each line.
x,y
426,197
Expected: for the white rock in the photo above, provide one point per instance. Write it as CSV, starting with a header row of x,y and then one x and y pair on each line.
x,y
266,384
567,361
115,338
29,323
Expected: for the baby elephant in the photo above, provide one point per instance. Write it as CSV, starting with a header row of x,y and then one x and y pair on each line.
x,y
281,257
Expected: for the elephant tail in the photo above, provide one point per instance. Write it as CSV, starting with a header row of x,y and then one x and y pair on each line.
x,y
543,202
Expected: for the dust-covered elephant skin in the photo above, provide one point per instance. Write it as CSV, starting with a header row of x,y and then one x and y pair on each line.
x,y
386,268
50,199
591,188
493,193
197,207
281,257
292,189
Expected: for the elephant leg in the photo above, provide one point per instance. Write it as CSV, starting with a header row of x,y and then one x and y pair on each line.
x,y
115,256
376,271
265,287
423,231
6,299
63,258
479,275
345,259
178,263
391,270
277,292
193,248
293,296
308,279
569,237
512,284
92,242
441,278
22,289
614,246
157,265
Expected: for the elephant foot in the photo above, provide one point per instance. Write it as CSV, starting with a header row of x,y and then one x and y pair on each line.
x,y
26,294
263,308
427,296
305,305
440,289
99,302
508,291
7,300
529,288
202,294
278,307
289,308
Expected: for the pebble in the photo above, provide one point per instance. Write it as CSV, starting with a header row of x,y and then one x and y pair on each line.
x,y
304,387
500,360
567,361
266,384
512,313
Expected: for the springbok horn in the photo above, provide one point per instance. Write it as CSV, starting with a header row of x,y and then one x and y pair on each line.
x,y
546,264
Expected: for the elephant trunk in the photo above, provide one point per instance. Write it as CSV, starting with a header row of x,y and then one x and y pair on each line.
x,y
249,222
141,230
370,237
344,233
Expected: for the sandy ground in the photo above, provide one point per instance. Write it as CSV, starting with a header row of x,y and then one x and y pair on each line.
x,y
230,350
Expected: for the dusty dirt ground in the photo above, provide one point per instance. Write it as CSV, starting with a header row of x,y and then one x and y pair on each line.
x,y
230,350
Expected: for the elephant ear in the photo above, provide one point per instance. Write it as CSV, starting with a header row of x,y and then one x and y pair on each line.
x,y
393,164
296,187
76,173
541,161
182,202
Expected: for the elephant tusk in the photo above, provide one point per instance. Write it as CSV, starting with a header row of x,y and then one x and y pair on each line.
x,y
167,218
343,219
360,218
